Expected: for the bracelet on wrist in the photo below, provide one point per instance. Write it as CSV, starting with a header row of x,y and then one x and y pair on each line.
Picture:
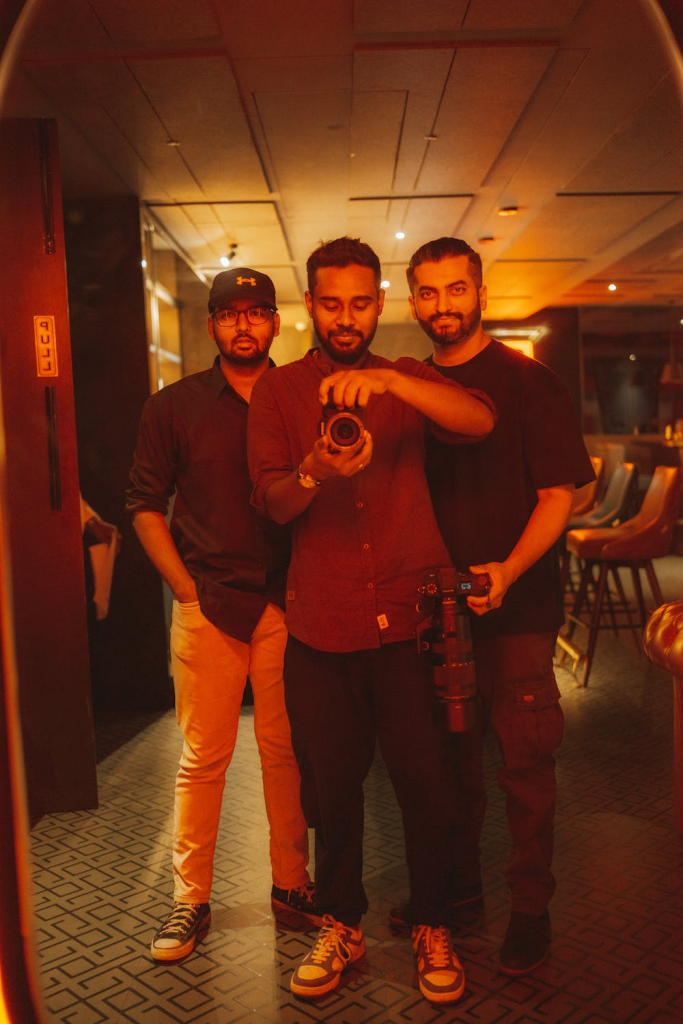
x,y
306,480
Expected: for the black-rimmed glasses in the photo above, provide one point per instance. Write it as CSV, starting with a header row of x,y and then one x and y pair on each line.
x,y
255,315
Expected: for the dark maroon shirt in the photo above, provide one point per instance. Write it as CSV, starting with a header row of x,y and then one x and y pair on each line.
x,y
365,544
193,441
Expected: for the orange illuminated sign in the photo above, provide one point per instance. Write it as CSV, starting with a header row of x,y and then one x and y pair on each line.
x,y
46,346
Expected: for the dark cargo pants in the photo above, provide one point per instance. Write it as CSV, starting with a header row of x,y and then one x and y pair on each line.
x,y
521,699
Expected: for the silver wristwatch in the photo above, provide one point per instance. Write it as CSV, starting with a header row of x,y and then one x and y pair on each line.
x,y
306,480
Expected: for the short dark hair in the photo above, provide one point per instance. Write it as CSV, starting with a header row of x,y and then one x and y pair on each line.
x,y
342,252
443,249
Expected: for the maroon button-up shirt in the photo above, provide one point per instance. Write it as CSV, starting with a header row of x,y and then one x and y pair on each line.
x,y
365,544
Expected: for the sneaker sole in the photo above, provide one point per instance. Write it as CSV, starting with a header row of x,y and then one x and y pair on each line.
x,y
305,992
315,918
442,997
180,952
516,972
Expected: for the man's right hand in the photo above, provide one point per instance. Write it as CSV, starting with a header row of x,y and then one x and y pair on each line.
x,y
322,463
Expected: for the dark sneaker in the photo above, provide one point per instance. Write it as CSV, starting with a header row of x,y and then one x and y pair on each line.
x,y
301,900
440,973
401,916
337,946
526,944
181,931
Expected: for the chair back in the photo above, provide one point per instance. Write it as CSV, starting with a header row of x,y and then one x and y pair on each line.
x,y
648,534
586,496
616,503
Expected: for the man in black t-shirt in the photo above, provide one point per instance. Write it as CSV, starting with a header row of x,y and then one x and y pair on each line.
x,y
501,506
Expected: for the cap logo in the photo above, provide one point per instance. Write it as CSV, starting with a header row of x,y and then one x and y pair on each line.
x,y
247,280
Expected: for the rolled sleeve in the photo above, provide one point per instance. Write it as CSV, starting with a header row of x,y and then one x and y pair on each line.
x,y
269,450
153,475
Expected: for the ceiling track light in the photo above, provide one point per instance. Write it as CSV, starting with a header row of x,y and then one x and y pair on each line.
x,y
232,252
508,211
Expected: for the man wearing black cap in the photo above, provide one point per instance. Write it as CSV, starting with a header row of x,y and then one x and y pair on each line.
x,y
226,567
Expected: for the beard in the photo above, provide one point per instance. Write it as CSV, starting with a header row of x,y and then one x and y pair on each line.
x,y
248,357
454,327
347,356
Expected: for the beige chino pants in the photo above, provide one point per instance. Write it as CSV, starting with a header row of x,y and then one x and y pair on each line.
x,y
209,673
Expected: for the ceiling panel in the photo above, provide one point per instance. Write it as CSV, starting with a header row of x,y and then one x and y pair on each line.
x,y
382,16
486,92
419,74
376,123
199,106
582,226
595,104
498,14
271,28
644,152
126,20
310,154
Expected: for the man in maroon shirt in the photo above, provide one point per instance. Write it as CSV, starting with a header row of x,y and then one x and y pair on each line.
x,y
364,538
226,567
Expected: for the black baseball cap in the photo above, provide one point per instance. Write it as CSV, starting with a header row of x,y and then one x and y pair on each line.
x,y
241,283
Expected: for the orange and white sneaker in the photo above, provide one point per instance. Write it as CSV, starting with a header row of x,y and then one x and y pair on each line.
x,y
440,973
337,946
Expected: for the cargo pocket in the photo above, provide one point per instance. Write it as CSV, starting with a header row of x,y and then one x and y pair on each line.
x,y
538,723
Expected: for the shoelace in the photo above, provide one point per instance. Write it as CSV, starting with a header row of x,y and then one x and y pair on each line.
x,y
182,917
305,891
437,945
331,939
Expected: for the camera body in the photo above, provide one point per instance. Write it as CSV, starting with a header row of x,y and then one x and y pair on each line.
x,y
445,635
343,428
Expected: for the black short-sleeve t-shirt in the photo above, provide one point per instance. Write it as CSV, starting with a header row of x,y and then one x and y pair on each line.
x,y
484,493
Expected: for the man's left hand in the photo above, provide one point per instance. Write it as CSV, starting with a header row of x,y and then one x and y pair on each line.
x,y
347,388
501,578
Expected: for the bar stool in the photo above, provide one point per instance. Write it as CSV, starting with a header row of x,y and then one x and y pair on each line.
x,y
616,506
633,545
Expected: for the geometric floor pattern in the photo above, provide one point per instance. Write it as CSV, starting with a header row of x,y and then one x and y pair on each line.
x,y
102,884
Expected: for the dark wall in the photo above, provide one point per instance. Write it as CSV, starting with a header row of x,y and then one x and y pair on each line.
x,y
111,383
45,574
559,348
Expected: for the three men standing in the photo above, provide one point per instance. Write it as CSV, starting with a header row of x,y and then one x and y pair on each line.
x,y
226,566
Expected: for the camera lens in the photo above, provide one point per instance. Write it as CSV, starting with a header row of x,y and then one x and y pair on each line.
x,y
345,430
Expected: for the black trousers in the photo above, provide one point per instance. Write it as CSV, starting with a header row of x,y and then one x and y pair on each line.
x,y
338,705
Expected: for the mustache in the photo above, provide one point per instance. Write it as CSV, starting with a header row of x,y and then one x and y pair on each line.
x,y
442,316
338,333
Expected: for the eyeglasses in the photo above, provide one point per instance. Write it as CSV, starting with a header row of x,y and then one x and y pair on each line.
x,y
255,315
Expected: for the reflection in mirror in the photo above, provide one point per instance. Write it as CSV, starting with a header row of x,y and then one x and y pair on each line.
x,y
255,111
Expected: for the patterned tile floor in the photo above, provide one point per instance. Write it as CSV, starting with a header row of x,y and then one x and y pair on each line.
x,y
102,883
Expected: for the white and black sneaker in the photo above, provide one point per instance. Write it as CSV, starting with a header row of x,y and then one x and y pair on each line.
x,y
181,931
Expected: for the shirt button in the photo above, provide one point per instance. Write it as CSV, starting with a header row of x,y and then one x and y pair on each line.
x,y
371,586
359,505
365,547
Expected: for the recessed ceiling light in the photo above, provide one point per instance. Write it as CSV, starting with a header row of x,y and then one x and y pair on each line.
x,y
143,263
172,142
486,240
385,284
508,211
611,287
431,137
400,234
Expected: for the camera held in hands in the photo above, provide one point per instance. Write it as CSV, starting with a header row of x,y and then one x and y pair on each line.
x,y
445,635
343,428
